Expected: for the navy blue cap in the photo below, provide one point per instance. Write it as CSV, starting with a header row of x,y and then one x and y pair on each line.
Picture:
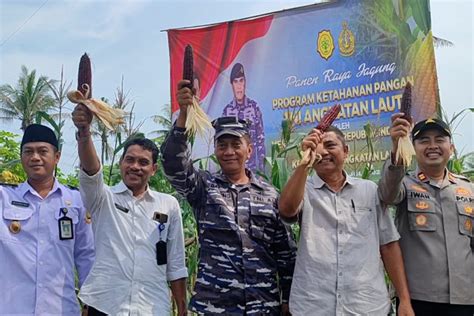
x,y
230,125
431,123
39,133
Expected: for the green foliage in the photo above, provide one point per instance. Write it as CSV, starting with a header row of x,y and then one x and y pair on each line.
x,y
28,97
11,170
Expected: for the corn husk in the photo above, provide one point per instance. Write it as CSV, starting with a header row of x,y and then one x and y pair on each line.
x,y
405,151
111,117
197,121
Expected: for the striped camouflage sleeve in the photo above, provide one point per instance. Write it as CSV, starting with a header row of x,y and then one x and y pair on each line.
x,y
284,247
179,169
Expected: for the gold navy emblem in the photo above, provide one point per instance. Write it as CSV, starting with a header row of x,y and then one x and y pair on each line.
x,y
346,41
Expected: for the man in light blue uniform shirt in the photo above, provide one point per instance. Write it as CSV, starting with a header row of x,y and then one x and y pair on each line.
x,y
45,234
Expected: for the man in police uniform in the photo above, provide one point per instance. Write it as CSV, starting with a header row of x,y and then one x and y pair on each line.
x,y
247,109
435,214
244,245
44,235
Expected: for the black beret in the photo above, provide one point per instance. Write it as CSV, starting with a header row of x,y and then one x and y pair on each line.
x,y
237,72
39,133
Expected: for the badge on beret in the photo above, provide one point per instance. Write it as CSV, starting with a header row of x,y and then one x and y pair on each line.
x,y
15,227
421,220
468,209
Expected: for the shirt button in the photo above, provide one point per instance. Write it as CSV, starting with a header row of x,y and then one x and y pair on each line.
x,y
41,241
340,252
40,284
340,232
339,212
43,221
338,295
41,262
340,273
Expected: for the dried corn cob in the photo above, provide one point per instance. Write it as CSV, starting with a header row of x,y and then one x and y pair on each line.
x,y
310,157
84,76
406,103
106,114
188,66
197,121
405,150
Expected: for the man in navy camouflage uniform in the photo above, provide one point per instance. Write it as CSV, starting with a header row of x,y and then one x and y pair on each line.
x,y
247,109
244,245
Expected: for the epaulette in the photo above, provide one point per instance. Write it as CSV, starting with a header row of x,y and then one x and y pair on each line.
x,y
73,187
458,176
8,184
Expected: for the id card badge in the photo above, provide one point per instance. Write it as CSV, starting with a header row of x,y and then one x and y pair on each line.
x,y
161,257
66,228
161,254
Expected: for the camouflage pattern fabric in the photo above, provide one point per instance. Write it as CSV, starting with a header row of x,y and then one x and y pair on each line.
x,y
245,248
250,111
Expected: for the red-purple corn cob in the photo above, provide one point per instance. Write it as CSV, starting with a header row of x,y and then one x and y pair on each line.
x,y
329,118
85,75
406,102
188,65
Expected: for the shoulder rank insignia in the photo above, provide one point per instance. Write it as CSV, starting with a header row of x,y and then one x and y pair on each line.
x,y
422,176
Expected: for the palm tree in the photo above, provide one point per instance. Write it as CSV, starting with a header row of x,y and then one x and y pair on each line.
x,y
30,96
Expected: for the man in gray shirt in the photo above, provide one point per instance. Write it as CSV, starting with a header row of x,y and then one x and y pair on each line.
x,y
435,213
346,238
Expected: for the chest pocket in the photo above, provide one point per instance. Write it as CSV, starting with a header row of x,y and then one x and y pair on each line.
x,y
362,220
421,215
17,224
263,223
73,214
466,218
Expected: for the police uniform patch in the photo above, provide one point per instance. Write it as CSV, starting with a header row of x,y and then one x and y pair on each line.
x,y
421,220
463,192
418,188
422,205
468,225
15,227
468,209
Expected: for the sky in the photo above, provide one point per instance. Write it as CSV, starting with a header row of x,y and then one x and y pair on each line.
x,y
126,38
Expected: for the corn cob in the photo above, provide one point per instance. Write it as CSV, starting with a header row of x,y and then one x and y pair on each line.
x,y
111,117
310,157
406,103
188,66
405,150
197,121
329,118
84,76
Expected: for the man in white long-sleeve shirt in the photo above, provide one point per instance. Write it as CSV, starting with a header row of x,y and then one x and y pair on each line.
x,y
138,233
